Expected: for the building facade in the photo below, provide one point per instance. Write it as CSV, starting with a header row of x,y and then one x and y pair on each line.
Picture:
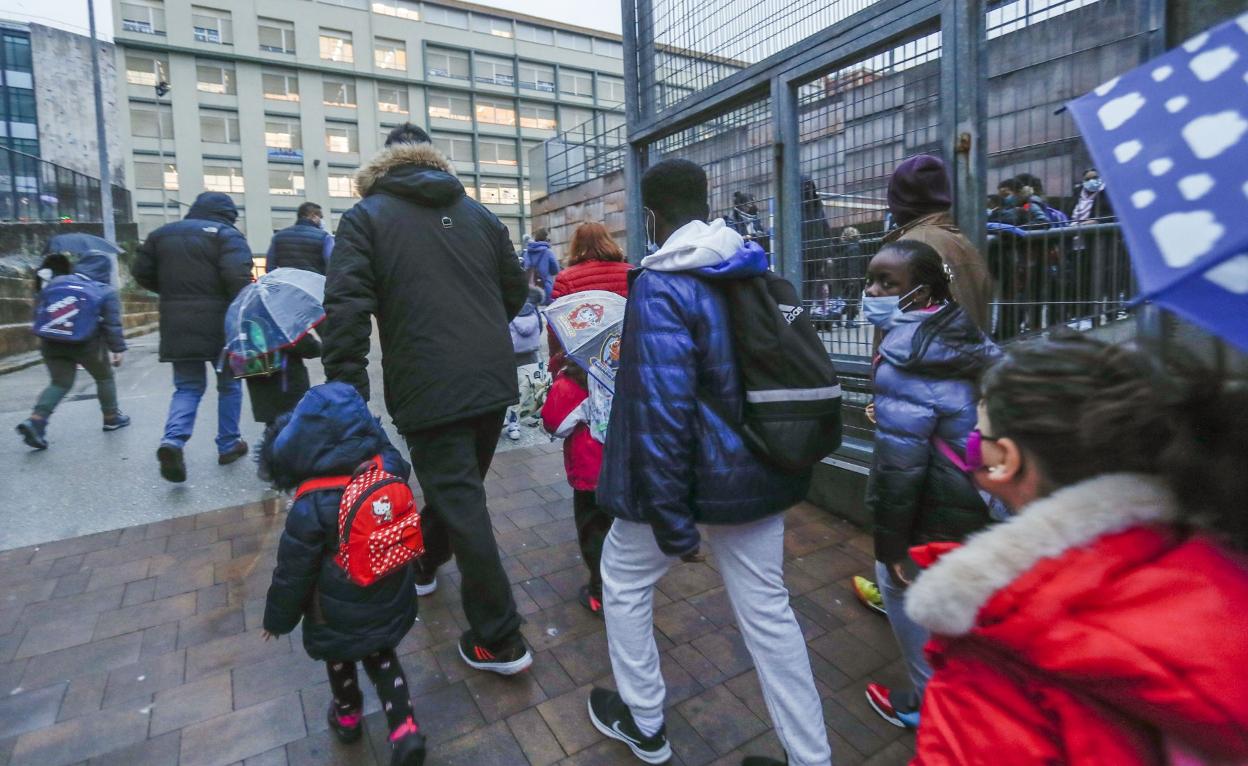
x,y
279,101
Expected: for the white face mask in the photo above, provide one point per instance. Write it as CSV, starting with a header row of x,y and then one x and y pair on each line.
x,y
883,311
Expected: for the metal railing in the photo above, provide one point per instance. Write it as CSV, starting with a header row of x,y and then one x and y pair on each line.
x,y
35,190
588,151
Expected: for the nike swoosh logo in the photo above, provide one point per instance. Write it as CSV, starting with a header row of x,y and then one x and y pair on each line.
x,y
615,727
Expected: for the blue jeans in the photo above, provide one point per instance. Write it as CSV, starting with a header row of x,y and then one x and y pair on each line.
x,y
911,637
190,380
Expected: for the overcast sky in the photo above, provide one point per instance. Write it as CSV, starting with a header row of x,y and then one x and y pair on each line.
x,y
72,14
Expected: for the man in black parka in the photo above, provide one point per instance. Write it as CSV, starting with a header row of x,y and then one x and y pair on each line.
x,y
439,273
197,265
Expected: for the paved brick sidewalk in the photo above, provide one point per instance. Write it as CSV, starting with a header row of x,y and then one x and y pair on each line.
x,y
141,647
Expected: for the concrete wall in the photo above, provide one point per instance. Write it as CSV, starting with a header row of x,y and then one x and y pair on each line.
x,y
65,101
599,200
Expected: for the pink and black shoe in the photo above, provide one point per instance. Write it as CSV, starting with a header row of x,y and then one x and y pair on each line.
x,y
347,727
591,600
407,745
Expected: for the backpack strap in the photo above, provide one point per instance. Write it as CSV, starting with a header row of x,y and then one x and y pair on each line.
x,y
322,484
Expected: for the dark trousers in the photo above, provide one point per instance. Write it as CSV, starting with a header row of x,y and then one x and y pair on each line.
x,y
450,462
385,672
592,526
62,364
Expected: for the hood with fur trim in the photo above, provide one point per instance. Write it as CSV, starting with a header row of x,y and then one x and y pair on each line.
x,y
415,171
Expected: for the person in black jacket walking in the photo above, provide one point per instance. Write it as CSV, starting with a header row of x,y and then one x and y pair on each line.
x,y
305,245
197,265
438,271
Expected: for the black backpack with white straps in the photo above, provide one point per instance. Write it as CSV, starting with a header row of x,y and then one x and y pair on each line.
x,y
792,414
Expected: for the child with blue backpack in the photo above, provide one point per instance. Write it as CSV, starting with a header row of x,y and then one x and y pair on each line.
x,y
353,590
78,321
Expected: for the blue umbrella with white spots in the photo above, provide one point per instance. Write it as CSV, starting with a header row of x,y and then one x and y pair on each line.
x,y
1171,138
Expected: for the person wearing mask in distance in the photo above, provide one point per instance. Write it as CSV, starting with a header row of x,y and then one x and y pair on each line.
x,y
304,245
1106,622
674,472
924,380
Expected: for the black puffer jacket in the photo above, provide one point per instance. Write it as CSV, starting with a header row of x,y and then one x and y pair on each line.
x,y
197,265
331,434
925,386
438,271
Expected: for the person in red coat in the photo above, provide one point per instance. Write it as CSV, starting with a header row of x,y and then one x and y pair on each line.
x,y
1107,621
596,263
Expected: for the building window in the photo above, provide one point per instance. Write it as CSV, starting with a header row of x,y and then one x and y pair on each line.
x,y
223,178
448,106
495,71
497,152
534,34
440,63
282,133
141,68
148,173
447,17
212,26
217,127
286,182
491,25
342,138
573,41
610,90
499,192
143,121
610,48
339,93
336,46
456,148
341,185
537,77
276,36
215,77
392,99
404,9
492,111
571,117
21,105
280,86
576,83
537,116
390,54
146,18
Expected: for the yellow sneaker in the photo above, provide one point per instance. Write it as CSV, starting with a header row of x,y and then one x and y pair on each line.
x,y
868,594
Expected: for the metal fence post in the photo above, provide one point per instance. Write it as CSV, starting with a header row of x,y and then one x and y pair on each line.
x,y
636,98
788,172
964,88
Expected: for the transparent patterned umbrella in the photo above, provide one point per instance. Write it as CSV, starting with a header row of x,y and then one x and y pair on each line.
x,y
271,314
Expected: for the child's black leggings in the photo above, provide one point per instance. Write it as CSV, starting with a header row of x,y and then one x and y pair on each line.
x,y
385,672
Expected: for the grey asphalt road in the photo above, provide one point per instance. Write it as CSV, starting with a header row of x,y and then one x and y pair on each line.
x,y
91,481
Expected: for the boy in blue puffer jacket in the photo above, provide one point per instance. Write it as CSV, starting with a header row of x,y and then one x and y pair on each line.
x,y
331,433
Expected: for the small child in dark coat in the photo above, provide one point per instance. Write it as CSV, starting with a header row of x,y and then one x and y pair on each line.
x,y
331,433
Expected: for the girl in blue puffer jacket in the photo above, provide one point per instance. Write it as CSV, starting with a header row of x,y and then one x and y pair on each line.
x,y
331,433
925,377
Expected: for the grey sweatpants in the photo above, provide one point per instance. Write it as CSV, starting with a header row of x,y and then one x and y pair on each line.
x,y
750,558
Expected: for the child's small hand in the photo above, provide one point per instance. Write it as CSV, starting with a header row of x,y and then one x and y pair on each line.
x,y
267,636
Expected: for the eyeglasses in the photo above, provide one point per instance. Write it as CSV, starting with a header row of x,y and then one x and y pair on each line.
x,y
974,459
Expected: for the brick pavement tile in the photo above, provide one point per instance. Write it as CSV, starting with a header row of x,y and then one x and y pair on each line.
x,y
75,545
132,618
568,720
726,649
550,674
191,540
9,619
688,744
567,582
681,623
525,605
450,665
27,593
184,579
247,545
540,591
94,601
275,757
9,645
718,710
139,592
715,606
277,676
62,633
160,640
243,733
853,657
80,738
323,749
232,652
873,629
160,751
27,711
817,614
516,571
685,580
17,556
805,539
896,754
517,541
132,535
191,703
514,501
422,671
551,627
547,493
526,518
847,725
144,678
798,581
211,599
535,738
163,528
838,601
555,532
447,713
71,584
829,564
498,697
209,626
697,665
853,699
586,658
108,654
124,553
492,745
85,695
217,518
605,752
560,509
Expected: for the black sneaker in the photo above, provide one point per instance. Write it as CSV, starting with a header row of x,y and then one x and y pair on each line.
x,y
116,422
172,465
32,432
590,600
233,453
347,728
762,760
409,747
612,717
506,660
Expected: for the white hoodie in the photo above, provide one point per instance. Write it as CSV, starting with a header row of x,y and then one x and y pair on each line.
x,y
695,245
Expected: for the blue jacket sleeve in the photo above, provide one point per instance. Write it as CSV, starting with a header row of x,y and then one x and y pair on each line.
x,y
110,322
299,556
660,381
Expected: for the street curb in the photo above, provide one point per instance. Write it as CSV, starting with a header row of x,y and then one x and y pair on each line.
x,y
31,358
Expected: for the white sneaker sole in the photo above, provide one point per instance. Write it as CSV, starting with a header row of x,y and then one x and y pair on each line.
x,y
501,668
663,755
427,590
895,721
